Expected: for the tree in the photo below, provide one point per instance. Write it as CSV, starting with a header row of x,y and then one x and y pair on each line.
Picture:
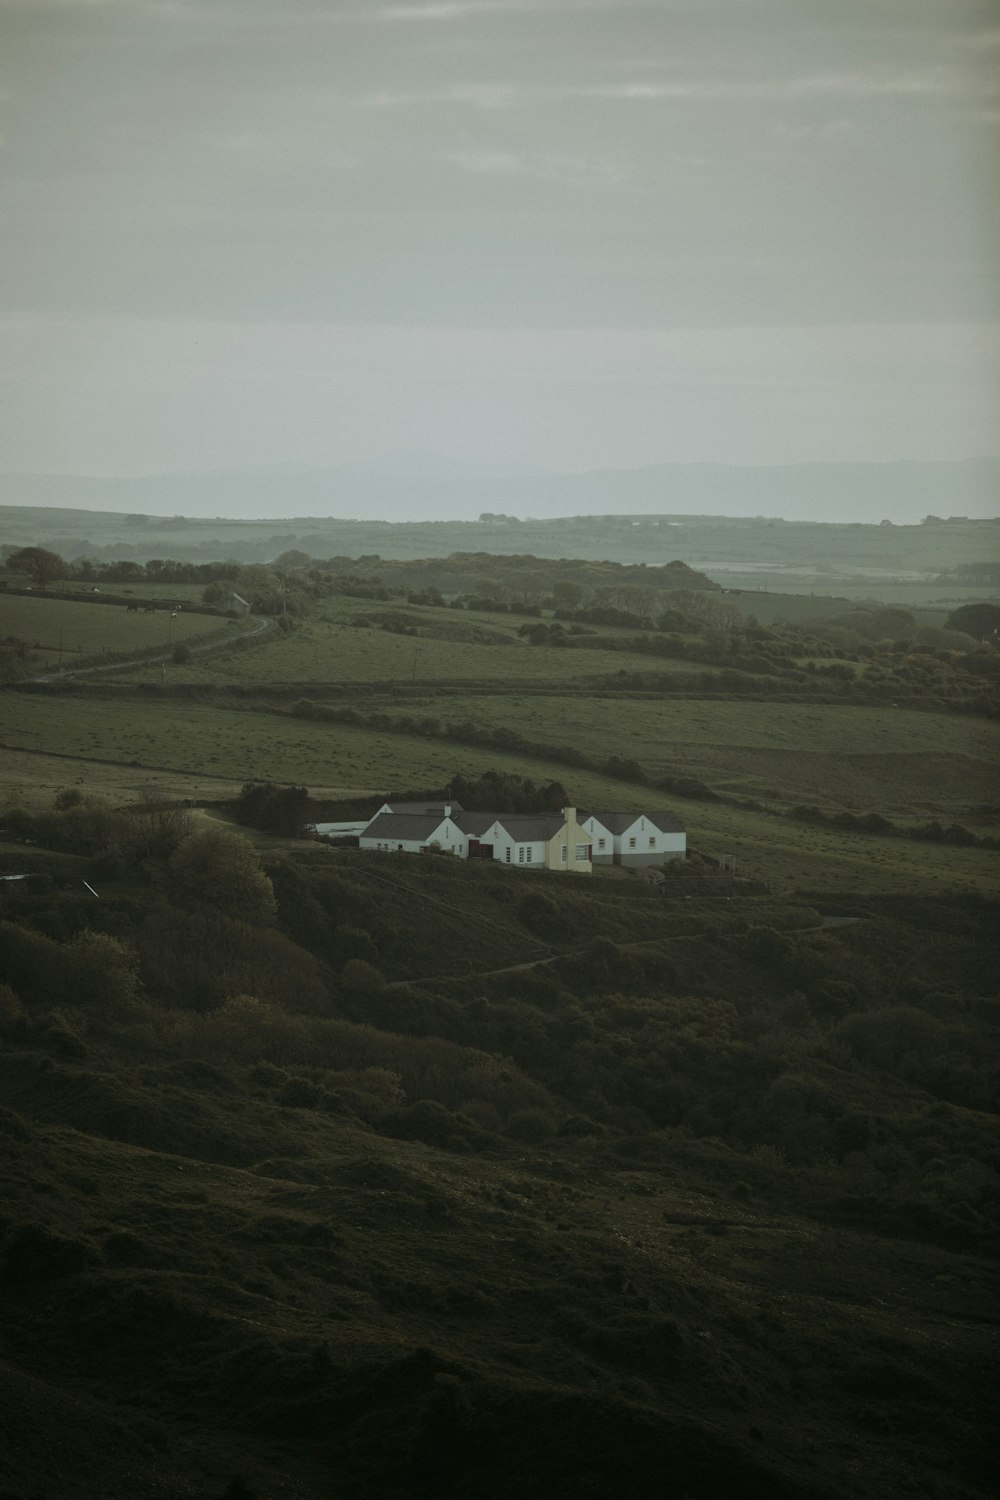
x,y
42,566
281,810
220,869
105,975
981,621
567,594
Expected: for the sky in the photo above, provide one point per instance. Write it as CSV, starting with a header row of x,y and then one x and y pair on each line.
x,y
560,234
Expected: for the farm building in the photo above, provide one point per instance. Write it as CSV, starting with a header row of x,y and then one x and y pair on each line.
x,y
629,838
529,841
237,605
536,841
415,833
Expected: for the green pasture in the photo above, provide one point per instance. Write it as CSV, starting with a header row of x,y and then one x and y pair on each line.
x,y
928,605
202,740
176,593
788,855
839,756
89,629
773,608
320,651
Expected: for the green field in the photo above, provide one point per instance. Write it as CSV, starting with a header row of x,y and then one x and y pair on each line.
x,y
858,758
201,739
140,590
87,630
329,651
390,658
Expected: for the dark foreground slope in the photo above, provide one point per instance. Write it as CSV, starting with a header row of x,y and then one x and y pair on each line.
x,y
703,1211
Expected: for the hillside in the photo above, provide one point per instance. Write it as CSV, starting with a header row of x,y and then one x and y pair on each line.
x,y
539,1233
359,1175
759,553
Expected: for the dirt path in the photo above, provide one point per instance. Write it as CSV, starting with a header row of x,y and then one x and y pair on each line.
x,y
61,674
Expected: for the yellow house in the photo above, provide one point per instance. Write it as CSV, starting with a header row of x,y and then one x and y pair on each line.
x,y
532,841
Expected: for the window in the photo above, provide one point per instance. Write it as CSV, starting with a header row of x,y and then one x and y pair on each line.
x,y
631,843
562,855
582,851
507,854
600,843
521,852
652,841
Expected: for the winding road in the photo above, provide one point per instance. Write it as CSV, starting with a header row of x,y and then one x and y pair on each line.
x,y
260,627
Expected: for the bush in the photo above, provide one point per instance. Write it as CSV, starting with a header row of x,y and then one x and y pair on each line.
x,y
530,1126
222,870
361,977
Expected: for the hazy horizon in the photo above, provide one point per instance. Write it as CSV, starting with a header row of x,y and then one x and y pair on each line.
x,y
433,488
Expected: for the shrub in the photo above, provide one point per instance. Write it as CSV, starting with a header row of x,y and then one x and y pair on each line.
x,y
530,1126
222,870
361,977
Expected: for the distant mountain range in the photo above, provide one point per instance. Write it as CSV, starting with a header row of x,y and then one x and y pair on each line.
x,y
428,487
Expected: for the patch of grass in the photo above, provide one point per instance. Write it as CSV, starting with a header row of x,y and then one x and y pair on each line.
x,y
89,629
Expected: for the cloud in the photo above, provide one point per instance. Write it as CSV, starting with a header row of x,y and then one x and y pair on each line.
x,y
856,85
937,82
550,166
446,10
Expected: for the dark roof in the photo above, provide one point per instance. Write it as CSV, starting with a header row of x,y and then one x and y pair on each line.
x,y
618,822
475,823
530,827
427,808
666,822
395,825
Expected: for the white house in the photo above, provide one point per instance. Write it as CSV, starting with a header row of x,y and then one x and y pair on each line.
x,y
528,841
648,838
532,841
397,832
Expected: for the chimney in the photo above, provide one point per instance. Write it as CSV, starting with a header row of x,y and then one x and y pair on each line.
x,y
447,809
569,813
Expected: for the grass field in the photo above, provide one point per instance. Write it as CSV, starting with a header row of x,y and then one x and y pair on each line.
x,y
928,605
898,762
327,652
201,741
89,629
176,593
859,758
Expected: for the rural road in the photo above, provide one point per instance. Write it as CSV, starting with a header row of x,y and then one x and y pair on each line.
x,y
207,647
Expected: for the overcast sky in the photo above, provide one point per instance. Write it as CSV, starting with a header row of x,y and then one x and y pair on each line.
x,y
564,233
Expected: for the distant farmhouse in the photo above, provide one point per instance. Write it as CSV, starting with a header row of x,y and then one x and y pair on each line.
x,y
531,841
235,604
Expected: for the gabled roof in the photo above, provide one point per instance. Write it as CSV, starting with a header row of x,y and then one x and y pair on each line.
x,y
529,828
666,822
475,823
403,826
619,822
